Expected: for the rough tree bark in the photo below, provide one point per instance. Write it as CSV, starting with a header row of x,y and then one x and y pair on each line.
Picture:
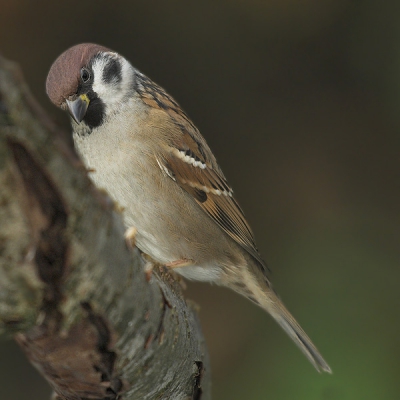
x,y
72,294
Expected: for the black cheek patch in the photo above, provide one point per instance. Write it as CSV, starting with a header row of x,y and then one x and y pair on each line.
x,y
112,71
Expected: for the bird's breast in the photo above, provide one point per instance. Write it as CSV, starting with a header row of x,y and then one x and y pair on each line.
x,y
170,224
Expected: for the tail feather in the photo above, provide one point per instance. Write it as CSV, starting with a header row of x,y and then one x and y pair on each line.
x,y
265,297
297,334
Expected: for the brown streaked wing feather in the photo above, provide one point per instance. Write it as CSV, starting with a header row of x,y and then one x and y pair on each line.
x,y
203,184
156,97
211,191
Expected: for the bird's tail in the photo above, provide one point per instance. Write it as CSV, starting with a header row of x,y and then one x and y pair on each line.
x,y
266,298
297,334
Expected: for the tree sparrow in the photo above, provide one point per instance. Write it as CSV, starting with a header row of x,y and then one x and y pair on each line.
x,y
150,157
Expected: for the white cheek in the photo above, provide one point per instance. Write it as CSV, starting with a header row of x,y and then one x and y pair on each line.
x,y
98,85
112,93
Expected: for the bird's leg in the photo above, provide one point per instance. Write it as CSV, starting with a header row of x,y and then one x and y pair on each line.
x,y
170,267
184,262
148,266
130,237
148,269
174,265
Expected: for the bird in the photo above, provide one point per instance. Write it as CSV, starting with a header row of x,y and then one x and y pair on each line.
x,y
144,150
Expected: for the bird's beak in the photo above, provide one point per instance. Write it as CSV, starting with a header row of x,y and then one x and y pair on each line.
x,y
77,108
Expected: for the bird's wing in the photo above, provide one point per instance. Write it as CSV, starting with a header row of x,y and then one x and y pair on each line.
x,y
188,161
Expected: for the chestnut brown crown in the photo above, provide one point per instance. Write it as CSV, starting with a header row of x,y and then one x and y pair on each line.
x,y
63,78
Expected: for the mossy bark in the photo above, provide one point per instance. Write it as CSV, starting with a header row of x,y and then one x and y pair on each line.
x,y
72,293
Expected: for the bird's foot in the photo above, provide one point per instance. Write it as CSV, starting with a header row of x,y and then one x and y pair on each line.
x,y
130,237
184,262
169,268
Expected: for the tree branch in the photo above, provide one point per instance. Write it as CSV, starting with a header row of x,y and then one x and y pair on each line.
x,y
72,293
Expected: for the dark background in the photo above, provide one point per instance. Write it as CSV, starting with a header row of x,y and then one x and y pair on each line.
x,y
299,101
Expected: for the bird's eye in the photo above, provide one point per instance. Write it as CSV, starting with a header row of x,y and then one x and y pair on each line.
x,y
85,75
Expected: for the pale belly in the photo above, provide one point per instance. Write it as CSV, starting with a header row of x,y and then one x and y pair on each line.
x,y
166,227
170,225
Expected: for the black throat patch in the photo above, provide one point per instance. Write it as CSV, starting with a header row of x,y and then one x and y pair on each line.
x,y
96,111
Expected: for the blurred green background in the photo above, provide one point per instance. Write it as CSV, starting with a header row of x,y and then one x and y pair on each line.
x,y
299,101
